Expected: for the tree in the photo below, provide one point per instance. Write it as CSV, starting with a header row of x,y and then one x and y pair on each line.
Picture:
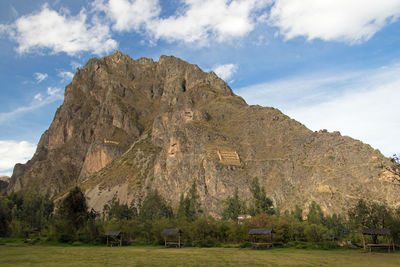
x,y
154,207
193,203
189,206
394,224
71,218
396,159
233,207
5,216
261,203
261,220
315,214
181,214
297,213
32,210
315,232
204,227
368,214
73,208
118,211
335,224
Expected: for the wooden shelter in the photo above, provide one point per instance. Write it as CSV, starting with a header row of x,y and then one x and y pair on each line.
x,y
114,238
32,233
375,233
172,237
261,237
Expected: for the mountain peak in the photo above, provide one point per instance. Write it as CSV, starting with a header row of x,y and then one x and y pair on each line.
x,y
129,126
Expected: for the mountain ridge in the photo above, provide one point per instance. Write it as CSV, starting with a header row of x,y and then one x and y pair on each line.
x,y
128,126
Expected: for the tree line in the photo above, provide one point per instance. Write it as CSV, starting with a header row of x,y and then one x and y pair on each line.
x,y
72,221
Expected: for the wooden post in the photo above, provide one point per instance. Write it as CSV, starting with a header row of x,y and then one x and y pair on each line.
x,y
393,243
272,240
165,241
120,240
179,240
107,241
363,238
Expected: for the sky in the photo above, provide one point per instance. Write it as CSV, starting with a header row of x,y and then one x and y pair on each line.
x,y
330,64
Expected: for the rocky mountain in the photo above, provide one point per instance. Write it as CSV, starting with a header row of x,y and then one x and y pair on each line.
x,y
128,126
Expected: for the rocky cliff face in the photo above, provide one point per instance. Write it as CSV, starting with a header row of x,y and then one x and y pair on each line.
x,y
127,126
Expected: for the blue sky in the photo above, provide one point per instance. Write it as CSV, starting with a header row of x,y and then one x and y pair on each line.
x,y
329,64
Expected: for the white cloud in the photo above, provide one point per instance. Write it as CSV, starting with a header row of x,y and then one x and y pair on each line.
x,y
361,104
204,18
350,21
12,152
53,94
75,65
198,22
4,29
129,14
53,91
40,77
61,32
225,71
38,97
65,76
194,21
300,91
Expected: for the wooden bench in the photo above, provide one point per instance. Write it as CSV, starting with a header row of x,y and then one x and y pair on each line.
x,y
261,245
115,243
378,246
173,244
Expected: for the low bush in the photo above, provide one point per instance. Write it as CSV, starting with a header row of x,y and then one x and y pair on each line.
x,y
245,245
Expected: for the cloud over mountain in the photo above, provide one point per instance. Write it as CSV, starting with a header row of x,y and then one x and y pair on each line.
x,y
57,32
351,21
196,21
12,152
361,104
225,71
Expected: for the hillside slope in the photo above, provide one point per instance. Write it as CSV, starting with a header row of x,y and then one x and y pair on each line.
x,y
127,126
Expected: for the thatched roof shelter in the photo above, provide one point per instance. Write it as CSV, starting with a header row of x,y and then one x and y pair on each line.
x,y
387,236
32,230
113,233
261,231
171,232
387,232
114,237
261,237
172,237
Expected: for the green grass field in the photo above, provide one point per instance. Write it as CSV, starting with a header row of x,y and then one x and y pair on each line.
x,y
44,255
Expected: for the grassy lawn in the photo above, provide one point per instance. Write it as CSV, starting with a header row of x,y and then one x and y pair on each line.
x,y
41,255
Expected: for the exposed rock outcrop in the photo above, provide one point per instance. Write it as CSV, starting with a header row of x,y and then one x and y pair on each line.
x,y
127,126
